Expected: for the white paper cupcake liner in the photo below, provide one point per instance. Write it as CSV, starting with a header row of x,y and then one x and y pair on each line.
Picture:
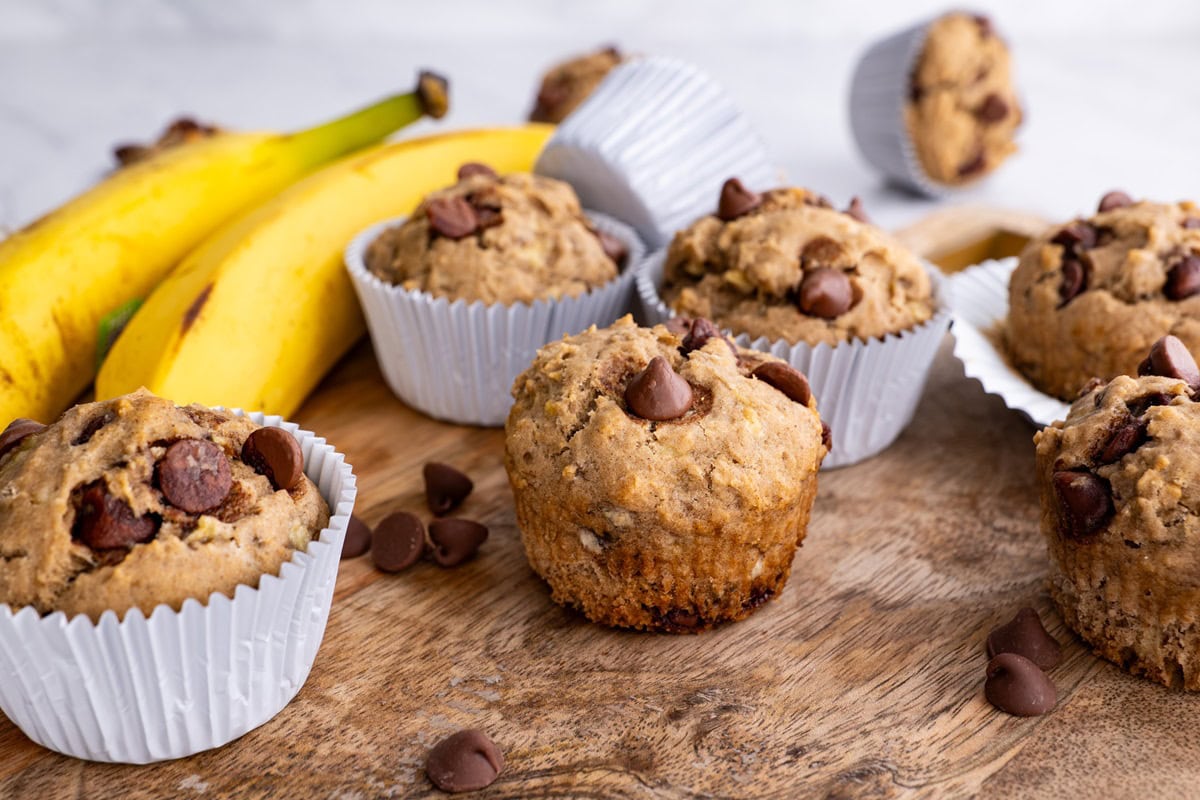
x,y
653,145
878,93
457,361
866,390
141,690
978,297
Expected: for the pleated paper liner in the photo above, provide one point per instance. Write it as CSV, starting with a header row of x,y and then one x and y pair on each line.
x,y
456,361
866,390
652,146
143,689
979,298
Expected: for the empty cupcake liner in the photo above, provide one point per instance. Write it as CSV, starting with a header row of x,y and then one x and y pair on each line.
x,y
149,689
866,390
456,361
653,145
978,297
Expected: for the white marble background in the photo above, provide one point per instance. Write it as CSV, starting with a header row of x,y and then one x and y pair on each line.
x,y
1112,88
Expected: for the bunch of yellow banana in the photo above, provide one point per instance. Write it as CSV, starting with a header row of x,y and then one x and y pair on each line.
x,y
258,313
113,244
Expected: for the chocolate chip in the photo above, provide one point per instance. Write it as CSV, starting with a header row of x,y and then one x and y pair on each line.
x,y
736,200
398,542
1074,280
855,210
1127,437
104,521
678,325
16,431
452,217
613,247
993,109
455,540
1092,385
1140,405
658,392
194,475
1183,280
358,538
825,293
1115,199
1191,222
786,379
985,26
826,436
700,333
445,487
488,217
473,168
1015,685
973,166
1076,236
1025,636
275,453
93,427
821,251
1169,358
464,762
1084,502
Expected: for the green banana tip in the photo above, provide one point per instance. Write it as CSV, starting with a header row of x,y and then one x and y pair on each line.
x,y
433,92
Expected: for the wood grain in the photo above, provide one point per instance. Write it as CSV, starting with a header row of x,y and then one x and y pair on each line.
x,y
863,679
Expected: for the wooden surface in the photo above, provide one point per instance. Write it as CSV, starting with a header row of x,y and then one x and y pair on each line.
x,y
863,679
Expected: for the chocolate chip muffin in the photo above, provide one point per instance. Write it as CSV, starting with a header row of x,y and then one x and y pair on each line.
x,y
1121,515
497,239
663,477
1089,298
962,111
568,84
135,502
785,264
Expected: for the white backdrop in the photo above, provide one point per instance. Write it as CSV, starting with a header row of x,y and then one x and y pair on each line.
x,y
1112,88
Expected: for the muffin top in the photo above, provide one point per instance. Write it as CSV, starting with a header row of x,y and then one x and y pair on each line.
x,y
962,111
135,502
1089,298
683,425
786,265
568,84
511,239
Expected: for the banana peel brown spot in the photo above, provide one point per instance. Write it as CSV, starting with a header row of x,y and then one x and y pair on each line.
x,y
193,310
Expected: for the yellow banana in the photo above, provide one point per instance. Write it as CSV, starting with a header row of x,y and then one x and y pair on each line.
x,y
65,272
260,312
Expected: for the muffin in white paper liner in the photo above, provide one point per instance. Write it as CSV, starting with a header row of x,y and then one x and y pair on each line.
x,y
866,390
653,145
143,689
978,297
456,361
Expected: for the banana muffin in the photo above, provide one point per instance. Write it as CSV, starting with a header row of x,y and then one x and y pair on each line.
x,y
568,84
1089,298
497,239
962,111
663,477
785,264
1121,515
135,502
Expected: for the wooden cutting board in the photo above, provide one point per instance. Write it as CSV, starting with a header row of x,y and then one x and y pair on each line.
x,y
863,679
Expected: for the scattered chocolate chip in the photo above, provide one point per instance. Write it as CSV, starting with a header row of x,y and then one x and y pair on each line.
x,y
1092,385
194,475
464,762
488,217
275,453
1140,405
16,431
473,168
679,619
700,333
1025,636
985,26
455,540
93,427
855,210
445,487
786,379
1127,437
398,542
915,91
358,538
103,521
452,217
1191,222
613,247
1169,358
1016,686
658,392
1076,236
993,109
736,200
678,325
826,436
1084,501
1074,281
1115,199
825,293
816,200
974,166
1183,279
